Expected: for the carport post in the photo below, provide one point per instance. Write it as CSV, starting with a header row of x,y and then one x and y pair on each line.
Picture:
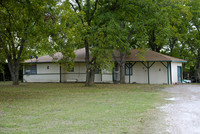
x,y
168,72
148,67
171,72
167,66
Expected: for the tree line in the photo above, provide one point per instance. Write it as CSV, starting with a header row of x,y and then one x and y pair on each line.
x,y
30,27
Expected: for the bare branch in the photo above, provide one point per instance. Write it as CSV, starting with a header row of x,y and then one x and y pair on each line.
x,y
79,6
72,6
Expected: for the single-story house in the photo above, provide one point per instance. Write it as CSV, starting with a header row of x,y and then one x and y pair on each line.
x,y
153,68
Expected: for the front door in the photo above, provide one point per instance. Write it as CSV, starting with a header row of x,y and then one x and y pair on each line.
x,y
179,71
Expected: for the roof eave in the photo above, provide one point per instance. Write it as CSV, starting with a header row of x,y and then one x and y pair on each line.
x,y
48,62
126,61
157,61
179,61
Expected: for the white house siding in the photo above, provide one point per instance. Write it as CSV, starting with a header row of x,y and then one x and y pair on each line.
x,y
97,78
48,72
131,79
107,76
140,74
158,73
174,66
41,78
43,68
78,75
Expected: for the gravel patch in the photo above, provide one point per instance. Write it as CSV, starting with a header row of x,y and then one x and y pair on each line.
x,y
183,110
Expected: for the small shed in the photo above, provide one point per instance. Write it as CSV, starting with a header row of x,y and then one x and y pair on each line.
x,y
146,67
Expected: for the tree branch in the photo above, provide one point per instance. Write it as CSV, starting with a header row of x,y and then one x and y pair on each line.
x,y
129,35
198,30
20,50
95,7
115,58
79,6
72,6
114,5
8,55
28,1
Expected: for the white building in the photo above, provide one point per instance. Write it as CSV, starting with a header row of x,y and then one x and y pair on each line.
x,y
153,68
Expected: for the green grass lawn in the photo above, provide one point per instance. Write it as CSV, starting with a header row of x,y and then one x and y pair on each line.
x,y
46,108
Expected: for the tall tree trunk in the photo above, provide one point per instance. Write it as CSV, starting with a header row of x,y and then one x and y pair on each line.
x,y
91,80
87,60
14,71
122,67
14,60
172,43
4,79
89,67
123,56
152,42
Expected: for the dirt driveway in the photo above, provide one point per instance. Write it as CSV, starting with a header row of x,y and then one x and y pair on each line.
x,y
183,110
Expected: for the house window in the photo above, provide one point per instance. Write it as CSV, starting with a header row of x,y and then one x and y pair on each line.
x,y
97,71
128,69
72,70
30,69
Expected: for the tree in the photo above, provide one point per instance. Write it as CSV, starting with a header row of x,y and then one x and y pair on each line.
x,y
120,24
85,12
2,62
157,24
90,23
179,16
193,39
114,31
22,27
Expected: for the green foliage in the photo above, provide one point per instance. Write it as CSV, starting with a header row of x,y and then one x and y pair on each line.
x,y
37,27
193,38
103,58
183,41
2,60
122,25
23,21
77,24
157,24
24,25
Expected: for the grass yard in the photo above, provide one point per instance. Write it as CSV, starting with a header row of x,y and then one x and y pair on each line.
x,y
48,108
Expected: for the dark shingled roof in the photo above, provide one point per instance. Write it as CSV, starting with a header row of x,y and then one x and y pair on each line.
x,y
148,55
135,55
